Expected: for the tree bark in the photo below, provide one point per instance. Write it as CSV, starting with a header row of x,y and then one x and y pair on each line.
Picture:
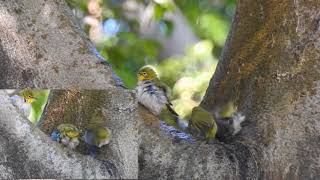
x,y
270,68
42,46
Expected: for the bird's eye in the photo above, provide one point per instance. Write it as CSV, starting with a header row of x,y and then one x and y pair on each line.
x,y
144,73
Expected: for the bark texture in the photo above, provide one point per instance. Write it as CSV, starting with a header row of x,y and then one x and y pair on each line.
x,y
270,68
42,46
165,155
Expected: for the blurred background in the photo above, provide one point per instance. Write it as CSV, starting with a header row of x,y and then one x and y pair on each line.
x,y
182,39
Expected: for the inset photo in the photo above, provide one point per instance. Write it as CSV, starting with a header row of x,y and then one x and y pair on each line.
x,y
69,133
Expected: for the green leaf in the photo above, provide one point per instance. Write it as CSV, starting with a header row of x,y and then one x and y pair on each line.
x,y
158,11
38,105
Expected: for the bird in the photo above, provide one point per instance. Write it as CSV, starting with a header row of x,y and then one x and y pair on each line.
x,y
229,120
226,110
96,134
98,137
222,125
67,134
28,95
154,95
202,124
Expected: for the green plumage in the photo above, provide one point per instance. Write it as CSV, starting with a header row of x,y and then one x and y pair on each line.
x,y
101,135
227,110
68,130
202,124
28,95
167,114
96,131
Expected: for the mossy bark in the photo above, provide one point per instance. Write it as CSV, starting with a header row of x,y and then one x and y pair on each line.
x,y
270,68
42,46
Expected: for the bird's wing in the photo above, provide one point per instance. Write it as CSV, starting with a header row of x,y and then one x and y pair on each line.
x,y
202,120
228,110
162,86
169,106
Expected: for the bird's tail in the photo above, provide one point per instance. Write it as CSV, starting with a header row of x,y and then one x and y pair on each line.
x,y
179,122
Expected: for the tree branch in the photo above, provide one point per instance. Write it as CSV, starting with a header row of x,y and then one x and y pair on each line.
x,y
270,68
168,157
42,46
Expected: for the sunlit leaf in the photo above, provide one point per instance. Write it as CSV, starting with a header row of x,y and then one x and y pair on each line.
x,y
158,11
38,106
215,27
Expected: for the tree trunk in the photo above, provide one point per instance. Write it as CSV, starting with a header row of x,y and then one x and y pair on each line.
x,y
42,46
270,68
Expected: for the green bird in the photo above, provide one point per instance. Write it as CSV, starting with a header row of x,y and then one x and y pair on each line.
x,y
225,125
153,94
35,100
97,134
67,134
228,120
202,124
28,95
227,110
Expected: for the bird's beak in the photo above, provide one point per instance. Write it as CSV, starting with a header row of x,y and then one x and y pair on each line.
x,y
140,77
32,99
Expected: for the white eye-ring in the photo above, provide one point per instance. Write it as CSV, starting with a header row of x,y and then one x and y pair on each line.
x,y
144,73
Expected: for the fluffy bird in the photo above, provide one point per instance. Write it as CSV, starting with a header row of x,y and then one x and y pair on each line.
x,y
202,124
96,134
67,134
98,137
153,94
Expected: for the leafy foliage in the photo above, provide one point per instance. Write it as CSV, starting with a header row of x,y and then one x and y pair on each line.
x,y
115,28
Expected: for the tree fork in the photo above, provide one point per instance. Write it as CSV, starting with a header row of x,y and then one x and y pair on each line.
x,y
270,68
